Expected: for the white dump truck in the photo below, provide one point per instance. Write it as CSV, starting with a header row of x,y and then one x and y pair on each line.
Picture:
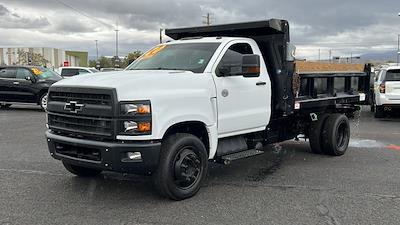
x,y
213,94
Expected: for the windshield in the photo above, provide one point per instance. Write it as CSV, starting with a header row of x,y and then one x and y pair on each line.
x,y
393,75
190,56
45,74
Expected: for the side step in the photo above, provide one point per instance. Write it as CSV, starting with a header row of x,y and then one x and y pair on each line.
x,y
226,159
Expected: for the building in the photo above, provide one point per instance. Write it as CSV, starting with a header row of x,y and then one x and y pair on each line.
x,y
54,57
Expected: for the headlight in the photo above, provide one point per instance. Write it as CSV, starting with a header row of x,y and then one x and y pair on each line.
x,y
135,118
132,127
135,108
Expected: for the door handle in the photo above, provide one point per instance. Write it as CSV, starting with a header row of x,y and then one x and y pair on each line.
x,y
261,83
16,82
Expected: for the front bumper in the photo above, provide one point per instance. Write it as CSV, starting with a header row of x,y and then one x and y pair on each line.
x,y
104,155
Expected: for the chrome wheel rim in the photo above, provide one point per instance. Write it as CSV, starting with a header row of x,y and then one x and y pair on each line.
x,y
44,102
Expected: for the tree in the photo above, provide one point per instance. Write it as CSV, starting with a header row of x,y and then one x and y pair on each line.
x,y
132,57
92,63
31,58
105,62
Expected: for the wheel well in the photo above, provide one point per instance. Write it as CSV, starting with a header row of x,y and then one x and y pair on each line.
x,y
40,95
195,128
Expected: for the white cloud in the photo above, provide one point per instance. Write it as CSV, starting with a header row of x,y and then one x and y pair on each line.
x,y
344,26
14,20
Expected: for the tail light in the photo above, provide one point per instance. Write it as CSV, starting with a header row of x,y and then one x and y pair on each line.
x,y
382,88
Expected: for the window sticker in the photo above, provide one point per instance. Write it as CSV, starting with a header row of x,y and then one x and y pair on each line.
x,y
36,71
153,52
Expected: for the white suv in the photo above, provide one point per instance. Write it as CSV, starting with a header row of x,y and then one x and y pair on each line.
x,y
72,71
387,91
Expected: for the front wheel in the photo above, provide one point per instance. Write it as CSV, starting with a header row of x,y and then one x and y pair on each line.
x,y
182,166
43,101
336,135
81,171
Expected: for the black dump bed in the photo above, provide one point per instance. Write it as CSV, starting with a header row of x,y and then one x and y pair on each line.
x,y
315,90
272,37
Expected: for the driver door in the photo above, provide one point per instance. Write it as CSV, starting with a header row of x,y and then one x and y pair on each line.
x,y
25,89
7,79
243,102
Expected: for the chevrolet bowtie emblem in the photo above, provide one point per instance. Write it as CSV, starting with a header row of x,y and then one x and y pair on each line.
x,y
73,106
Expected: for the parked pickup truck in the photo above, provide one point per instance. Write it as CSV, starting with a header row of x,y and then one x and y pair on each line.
x,y
214,94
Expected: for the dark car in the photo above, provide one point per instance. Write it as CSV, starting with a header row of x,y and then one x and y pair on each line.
x,y
25,84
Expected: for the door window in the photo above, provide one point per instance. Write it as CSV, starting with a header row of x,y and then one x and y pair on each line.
x,y
69,72
22,73
7,73
82,71
233,55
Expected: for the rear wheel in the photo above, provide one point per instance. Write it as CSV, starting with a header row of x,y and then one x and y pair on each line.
x,y
336,135
5,106
81,171
182,166
379,113
315,134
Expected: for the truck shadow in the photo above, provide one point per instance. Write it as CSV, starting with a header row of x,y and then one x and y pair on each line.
x,y
133,189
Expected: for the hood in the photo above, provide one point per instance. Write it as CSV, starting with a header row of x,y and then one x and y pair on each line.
x,y
142,84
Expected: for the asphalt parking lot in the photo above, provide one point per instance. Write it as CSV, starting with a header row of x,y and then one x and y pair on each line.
x,y
287,185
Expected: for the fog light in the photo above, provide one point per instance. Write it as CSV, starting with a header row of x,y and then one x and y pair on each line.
x,y
133,157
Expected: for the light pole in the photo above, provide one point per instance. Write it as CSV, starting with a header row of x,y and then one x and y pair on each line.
x,y
398,48
161,30
116,62
97,50
398,45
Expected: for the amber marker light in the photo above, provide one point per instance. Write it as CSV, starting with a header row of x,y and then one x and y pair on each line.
x,y
144,127
143,109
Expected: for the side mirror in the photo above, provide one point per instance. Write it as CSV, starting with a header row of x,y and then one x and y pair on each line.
x,y
247,66
251,65
28,78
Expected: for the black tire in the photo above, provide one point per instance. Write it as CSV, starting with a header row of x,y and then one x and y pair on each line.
x,y
372,103
182,166
379,113
336,135
315,134
81,171
43,101
5,106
